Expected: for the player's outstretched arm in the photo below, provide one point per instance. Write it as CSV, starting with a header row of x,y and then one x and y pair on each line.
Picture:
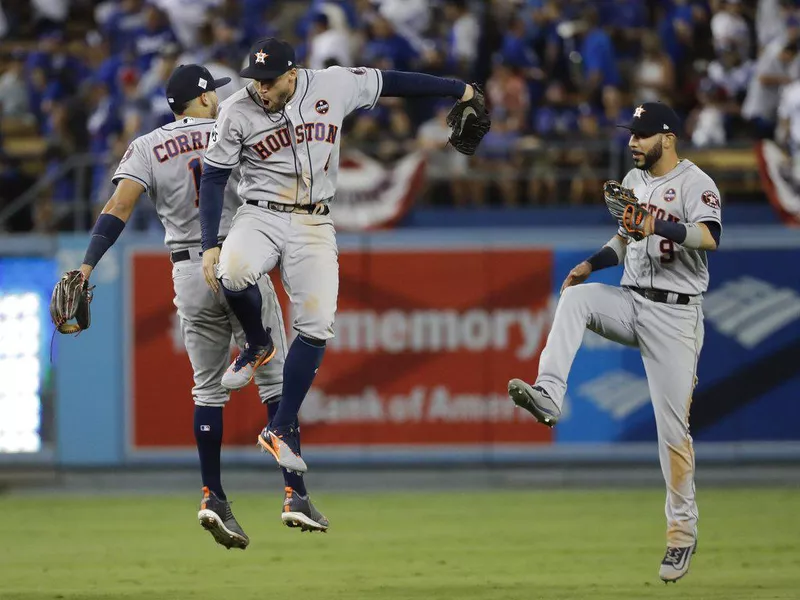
x,y
610,255
212,194
468,120
405,84
111,222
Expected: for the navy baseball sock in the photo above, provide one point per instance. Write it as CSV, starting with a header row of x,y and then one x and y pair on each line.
x,y
208,433
302,362
290,479
246,305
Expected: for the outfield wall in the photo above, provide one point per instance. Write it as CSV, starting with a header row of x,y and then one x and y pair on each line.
x,y
431,325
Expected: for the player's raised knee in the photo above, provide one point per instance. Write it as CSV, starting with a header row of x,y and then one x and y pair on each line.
x,y
576,294
236,271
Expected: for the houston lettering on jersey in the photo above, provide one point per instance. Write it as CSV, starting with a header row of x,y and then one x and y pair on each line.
x,y
181,144
661,214
313,132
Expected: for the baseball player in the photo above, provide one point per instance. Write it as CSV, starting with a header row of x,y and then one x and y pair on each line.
x,y
670,216
167,164
284,130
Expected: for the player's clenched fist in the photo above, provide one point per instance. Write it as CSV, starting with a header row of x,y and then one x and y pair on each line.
x,y
210,260
578,275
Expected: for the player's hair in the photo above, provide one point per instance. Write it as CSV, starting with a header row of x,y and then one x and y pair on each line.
x,y
180,107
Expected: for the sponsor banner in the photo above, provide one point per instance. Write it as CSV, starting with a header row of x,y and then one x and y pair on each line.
x,y
371,194
425,343
160,411
747,367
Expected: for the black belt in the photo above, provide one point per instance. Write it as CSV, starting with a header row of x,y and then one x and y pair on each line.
x,y
662,296
181,255
309,209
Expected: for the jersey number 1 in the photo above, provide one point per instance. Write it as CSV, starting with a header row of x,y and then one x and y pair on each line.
x,y
196,167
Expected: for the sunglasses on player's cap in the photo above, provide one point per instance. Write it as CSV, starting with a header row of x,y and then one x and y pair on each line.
x,y
269,58
651,118
190,81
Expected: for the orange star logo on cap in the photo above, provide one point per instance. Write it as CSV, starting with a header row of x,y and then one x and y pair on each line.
x,y
261,56
638,112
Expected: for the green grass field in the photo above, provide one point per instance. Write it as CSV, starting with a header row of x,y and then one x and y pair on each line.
x,y
504,545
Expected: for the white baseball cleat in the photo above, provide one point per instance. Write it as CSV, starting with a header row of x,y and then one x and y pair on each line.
x,y
241,371
676,563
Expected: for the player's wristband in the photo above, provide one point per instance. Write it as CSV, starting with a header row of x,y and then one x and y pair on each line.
x,y
670,230
604,258
106,231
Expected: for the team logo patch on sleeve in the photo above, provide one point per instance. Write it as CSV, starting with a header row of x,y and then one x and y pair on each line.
x,y
669,195
322,106
128,154
711,199
357,70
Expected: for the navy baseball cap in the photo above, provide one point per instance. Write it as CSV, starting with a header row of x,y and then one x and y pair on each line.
x,y
269,58
651,118
188,82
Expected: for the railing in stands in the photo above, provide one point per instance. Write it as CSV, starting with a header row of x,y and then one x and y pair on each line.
x,y
733,167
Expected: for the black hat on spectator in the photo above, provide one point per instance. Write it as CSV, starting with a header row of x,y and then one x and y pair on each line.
x,y
188,82
269,58
651,118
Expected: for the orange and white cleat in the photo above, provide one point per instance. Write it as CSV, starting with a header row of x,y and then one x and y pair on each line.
x,y
282,443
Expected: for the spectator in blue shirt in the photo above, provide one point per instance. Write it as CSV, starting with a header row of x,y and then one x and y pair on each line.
x,y
626,21
599,62
123,23
676,30
387,49
556,118
155,34
515,49
104,123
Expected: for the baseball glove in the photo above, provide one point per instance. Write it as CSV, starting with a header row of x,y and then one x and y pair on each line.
x,y
469,121
637,221
71,299
618,198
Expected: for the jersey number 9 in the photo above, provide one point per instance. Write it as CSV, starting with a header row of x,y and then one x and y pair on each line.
x,y
667,248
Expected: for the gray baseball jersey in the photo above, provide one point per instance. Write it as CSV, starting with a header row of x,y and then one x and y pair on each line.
x,y
687,195
291,157
669,336
168,162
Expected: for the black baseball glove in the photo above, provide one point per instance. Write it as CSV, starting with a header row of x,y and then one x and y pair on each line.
x,y
70,300
469,121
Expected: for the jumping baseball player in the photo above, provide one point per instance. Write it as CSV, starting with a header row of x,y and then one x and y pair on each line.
x,y
670,216
284,129
167,164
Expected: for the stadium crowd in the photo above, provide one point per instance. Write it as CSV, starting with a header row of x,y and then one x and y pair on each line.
x,y
88,76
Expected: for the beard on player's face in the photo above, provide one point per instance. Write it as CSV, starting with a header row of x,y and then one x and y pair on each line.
x,y
644,159
276,93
